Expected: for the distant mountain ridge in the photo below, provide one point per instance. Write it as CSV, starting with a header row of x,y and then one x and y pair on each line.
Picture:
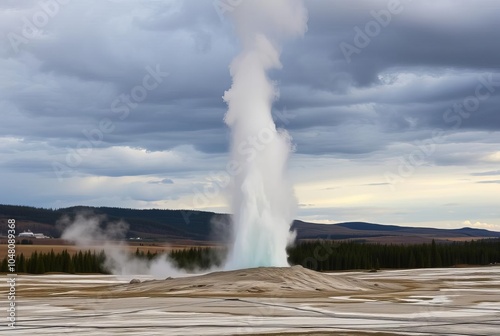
x,y
468,231
185,226
379,233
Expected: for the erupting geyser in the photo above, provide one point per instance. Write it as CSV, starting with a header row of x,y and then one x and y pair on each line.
x,y
262,199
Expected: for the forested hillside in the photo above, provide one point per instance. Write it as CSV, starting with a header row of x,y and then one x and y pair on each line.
x,y
199,226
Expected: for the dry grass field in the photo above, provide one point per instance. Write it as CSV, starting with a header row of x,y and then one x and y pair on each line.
x,y
58,245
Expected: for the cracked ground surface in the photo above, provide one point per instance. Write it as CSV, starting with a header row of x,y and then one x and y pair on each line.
x,y
461,301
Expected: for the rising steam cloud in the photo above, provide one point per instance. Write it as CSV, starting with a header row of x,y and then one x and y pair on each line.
x,y
263,203
86,230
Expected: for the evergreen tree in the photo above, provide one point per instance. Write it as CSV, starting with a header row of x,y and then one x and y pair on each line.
x,y
412,263
40,266
33,262
5,265
21,265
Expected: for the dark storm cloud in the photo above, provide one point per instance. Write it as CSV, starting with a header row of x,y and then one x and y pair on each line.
x,y
458,49
397,89
418,35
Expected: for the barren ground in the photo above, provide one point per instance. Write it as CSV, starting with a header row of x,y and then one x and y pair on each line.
x,y
463,301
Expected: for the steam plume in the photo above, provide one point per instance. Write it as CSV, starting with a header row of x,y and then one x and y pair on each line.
x,y
86,231
262,200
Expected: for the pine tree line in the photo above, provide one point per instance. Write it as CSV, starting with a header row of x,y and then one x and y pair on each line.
x,y
198,258
317,255
40,263
333,256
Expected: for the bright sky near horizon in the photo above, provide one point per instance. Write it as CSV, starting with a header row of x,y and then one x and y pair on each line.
x,y
393,107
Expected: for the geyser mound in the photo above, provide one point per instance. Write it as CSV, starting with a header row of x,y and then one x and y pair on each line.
x,y
293,281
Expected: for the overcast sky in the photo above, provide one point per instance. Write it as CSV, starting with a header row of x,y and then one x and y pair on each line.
x,y
394,109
